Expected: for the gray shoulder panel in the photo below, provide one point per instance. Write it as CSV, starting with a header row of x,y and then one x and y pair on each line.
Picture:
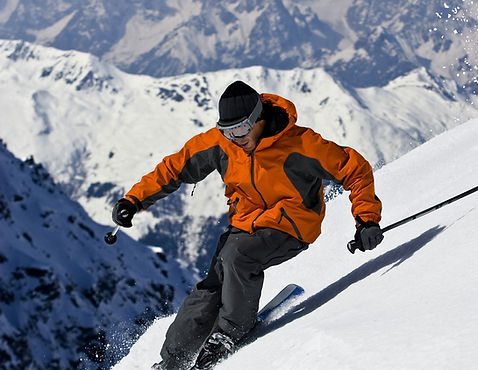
x,y
306,174
195,169
203,163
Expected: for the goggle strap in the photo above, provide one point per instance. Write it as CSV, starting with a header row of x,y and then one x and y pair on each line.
x,y
256,112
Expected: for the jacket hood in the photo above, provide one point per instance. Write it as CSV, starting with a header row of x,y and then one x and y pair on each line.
x,y
288,107
283,103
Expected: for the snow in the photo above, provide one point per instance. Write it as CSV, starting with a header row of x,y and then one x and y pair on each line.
x,y
142,34
91,124
409,304
48,34
7,9
61,285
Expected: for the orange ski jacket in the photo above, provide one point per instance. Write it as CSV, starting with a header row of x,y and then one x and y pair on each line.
x,y
279,185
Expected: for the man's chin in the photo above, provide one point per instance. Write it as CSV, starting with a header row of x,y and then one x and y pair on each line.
x,y
247,147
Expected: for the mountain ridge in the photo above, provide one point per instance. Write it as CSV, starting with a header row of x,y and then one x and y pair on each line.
x,y
84,118
65,294
362,43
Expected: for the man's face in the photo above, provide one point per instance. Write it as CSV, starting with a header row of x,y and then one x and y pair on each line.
x,y
249,143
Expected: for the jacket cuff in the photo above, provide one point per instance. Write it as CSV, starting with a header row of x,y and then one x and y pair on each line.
x,y
364,220
135,201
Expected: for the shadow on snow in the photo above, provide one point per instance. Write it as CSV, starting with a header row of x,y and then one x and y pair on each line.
x,y
394,257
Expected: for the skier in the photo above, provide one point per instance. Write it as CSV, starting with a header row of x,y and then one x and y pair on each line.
x,y
274,172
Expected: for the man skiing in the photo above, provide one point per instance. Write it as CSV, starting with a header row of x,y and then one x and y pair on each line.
x,y
274,172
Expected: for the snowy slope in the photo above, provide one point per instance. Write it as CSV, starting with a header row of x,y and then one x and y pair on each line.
x,y
67,298
98,130
409,304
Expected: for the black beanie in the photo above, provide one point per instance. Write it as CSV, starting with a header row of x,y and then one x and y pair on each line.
x,y
236,103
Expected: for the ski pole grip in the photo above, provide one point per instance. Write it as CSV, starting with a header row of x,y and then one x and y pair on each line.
x,y
352,246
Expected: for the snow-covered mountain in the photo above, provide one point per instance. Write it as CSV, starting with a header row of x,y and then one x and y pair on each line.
x,y
68,300
361,42
98,130
409,304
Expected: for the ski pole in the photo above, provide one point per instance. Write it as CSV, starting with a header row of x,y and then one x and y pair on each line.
x,y
110,237
352,245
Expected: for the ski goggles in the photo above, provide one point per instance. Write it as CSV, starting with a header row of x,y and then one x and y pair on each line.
x,y
243,127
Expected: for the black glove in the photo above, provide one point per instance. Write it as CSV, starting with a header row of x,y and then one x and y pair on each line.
x,y
123,212
368,235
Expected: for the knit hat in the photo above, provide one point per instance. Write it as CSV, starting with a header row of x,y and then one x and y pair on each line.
x,y
237,103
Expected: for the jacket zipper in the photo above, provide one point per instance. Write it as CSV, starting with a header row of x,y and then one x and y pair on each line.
x,y
254,186
296,229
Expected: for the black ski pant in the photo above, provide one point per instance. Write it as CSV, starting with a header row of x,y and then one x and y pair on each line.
x,y
228,298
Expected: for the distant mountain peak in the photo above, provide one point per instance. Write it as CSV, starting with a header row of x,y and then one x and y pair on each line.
x,y
364,43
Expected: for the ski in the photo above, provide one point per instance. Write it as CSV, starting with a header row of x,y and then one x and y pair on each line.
x,y
289,292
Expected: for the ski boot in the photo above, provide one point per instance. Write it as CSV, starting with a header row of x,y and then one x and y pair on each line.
x,y
216,348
